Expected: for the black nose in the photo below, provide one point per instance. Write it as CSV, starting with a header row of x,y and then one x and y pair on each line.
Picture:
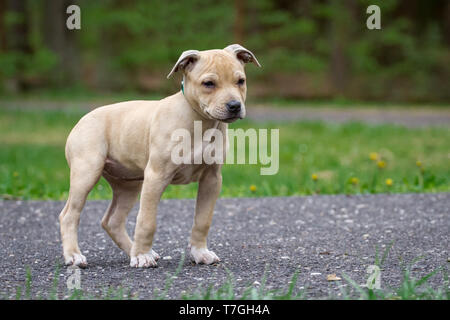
x,y
234,106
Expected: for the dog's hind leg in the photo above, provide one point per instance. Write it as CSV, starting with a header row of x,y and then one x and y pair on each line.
x,y
84,174
125,195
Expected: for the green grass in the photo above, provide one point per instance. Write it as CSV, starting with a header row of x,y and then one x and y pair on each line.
x,y
33,165
410,288
343,103
78,94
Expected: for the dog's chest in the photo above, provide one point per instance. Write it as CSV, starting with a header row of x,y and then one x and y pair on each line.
x,y
191,171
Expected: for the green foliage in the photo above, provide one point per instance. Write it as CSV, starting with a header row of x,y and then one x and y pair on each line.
x,y
9,64
323,45
256,291
410,288
33,164
36,60
152,34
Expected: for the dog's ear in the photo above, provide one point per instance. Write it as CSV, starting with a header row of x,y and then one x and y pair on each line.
x,y
187,58
243,55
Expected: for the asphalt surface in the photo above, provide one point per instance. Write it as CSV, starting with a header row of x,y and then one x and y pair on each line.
x,y
318,235
413,118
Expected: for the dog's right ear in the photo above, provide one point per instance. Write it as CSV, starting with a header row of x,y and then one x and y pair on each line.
x,y
187,58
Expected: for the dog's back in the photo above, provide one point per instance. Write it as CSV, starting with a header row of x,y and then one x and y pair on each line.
x,y
121,122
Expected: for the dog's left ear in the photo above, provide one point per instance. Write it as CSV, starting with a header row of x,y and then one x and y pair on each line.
x,y
242,54
187,58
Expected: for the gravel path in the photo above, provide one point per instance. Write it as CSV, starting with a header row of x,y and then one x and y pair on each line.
x,y
318,235
422,117
409,117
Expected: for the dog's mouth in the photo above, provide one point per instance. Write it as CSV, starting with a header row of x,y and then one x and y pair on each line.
x,y
229,119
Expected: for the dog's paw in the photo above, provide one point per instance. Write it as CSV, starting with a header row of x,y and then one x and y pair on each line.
x,y
203,255
147,260
154,255
75,259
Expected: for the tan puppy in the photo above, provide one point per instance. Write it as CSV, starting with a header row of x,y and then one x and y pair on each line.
x,y
130,144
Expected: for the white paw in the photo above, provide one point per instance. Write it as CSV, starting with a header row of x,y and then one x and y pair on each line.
x,y
76,259
154,255
144,260
203,255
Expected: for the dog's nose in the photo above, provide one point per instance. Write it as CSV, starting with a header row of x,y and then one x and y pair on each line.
x,y
234,106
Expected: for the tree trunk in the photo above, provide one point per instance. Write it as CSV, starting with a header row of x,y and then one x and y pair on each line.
x,y
239,21
339,32
61,41
18,42
2,26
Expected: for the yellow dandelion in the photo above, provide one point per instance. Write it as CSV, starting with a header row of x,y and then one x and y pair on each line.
x,y
389,182
419,163
314,177
15,174
354,180
373,156
252,188
381,164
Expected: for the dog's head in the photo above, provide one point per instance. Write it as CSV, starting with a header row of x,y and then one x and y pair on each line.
x,y
215,82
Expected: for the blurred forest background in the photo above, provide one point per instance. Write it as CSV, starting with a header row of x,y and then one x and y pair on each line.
x,y
314,53
309,49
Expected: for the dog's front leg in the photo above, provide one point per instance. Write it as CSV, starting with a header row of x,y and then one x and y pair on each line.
x,y
208,191
141,254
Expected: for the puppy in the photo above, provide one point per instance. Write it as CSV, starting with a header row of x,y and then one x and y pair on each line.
x,y
129,144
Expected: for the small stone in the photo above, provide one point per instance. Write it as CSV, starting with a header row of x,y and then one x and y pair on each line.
x,y
333,277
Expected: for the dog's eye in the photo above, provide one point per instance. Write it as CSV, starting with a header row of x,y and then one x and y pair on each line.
x,y
209,84
241,82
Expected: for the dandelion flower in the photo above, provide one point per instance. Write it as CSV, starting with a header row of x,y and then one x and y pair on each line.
x,y
15,174
419,163
381,164
314,177
252,188
354,180
389,182
373,156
